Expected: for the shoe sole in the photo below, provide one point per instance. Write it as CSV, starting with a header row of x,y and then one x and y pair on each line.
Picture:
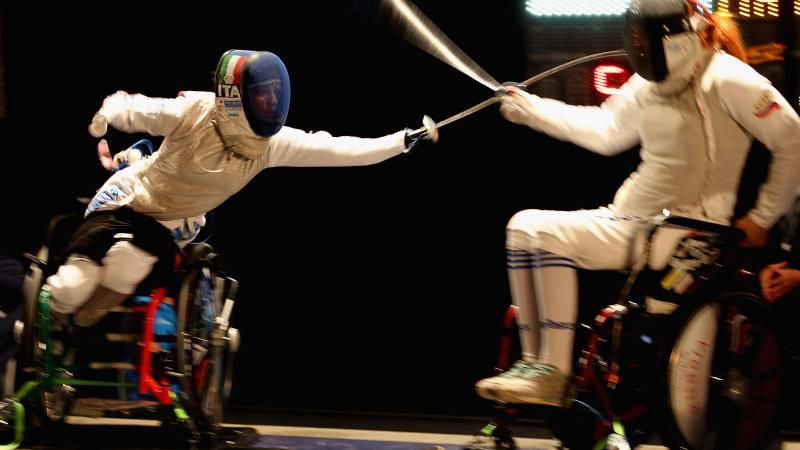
x,y
489,395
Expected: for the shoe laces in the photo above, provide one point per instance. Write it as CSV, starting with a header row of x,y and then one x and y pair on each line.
x,y
523,369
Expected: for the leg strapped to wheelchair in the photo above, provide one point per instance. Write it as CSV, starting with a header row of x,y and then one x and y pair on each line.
x,y
180,375
682,353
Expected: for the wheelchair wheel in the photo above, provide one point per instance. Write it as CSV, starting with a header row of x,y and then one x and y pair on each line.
x,y
46,409
44,262
724,376
206,343
29,335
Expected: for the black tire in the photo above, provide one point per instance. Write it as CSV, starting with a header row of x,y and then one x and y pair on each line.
x,y
186,313
198,377
186,338
45,262
46,410
29,344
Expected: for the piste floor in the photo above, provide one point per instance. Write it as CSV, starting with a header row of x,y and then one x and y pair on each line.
x,y
305,430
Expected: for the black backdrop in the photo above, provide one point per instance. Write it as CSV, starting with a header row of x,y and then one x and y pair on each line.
x,y
377,288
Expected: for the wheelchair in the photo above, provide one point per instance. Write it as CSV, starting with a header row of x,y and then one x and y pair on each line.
x,y
172,360
687,353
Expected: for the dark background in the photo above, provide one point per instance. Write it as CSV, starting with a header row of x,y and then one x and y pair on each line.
x,y
376,288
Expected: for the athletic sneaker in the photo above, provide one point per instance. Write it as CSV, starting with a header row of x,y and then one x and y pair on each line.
x,y
525,382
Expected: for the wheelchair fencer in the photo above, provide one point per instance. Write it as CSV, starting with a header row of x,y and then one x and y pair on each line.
x,y
180,374
688,352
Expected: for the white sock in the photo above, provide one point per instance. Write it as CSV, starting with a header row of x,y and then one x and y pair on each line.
x,y
556,286
520,279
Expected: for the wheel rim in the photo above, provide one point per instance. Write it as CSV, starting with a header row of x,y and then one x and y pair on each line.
x,y
31,286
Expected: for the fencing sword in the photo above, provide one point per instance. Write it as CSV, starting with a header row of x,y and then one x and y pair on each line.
x,y
430,125
408,21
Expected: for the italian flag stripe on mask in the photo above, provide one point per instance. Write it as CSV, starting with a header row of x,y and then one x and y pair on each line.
x,y
230,69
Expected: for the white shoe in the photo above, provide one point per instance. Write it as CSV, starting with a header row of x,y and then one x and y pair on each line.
x,y
525,382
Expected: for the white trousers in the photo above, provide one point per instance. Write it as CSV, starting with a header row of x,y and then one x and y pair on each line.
x,y
124,267
594,239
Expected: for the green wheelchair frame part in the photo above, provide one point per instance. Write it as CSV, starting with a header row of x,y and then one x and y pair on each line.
x,y
48,380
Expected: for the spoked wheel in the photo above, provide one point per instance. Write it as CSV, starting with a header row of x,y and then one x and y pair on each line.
x,y
45,408
206,344
59,230
28,331
726,371
192,340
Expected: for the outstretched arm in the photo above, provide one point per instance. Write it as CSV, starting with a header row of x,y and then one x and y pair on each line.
x,y
297,148
137,113
606,129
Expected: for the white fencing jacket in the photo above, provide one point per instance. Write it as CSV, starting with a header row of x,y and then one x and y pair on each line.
x,y
693,143
197,167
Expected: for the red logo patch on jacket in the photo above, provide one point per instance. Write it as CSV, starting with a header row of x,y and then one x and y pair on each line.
x,y
764,106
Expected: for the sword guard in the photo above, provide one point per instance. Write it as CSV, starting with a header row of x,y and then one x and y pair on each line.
x,y
502,91
429,128
428,132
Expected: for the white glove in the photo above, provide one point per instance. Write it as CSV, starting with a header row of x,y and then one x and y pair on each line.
x,y
517,106
99,125
113,106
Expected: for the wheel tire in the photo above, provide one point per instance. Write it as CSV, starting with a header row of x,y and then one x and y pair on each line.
x,y
31,287
208,403
745,380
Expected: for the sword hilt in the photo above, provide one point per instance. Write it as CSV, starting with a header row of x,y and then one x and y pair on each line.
x,y
429,127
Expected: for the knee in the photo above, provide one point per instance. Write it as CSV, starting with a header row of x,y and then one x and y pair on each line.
x,y
525,220
514,222
522,230
74,282
126,265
